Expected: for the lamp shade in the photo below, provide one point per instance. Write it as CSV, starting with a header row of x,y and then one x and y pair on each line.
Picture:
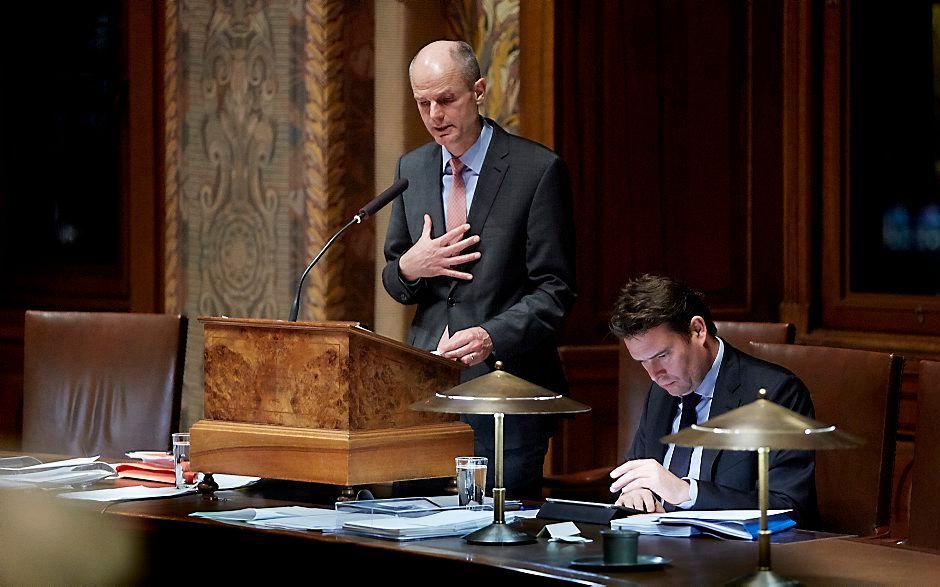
x,y
499,392
763,424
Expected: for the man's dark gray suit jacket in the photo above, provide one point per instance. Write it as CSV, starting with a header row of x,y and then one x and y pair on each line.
x,y
728,479
523,283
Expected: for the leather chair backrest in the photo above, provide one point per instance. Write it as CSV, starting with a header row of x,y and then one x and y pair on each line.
x,y
857,391
740,334
635,383
925,507
101,383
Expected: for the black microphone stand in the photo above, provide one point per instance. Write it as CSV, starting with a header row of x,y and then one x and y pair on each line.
x,y
295,308
377,203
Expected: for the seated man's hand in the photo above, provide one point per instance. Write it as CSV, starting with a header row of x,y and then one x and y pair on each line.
x,y
649,474
470,346
431,257
641,499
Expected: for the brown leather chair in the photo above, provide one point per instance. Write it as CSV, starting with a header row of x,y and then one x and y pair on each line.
x,y
101,383
858,391
634,383
925,507
741,334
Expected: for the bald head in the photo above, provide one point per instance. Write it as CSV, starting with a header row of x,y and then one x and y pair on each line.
x,y
448,89
446,56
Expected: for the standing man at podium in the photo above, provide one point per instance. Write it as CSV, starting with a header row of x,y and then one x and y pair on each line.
x,y
483,242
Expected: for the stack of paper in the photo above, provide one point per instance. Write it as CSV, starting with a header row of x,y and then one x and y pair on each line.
x,y
140,492
445,523
31,472
287,517
742,524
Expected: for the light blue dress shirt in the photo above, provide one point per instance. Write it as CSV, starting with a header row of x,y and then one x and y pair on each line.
x,y
706,389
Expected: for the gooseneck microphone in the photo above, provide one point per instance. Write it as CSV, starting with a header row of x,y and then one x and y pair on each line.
x,y
376,204
382,200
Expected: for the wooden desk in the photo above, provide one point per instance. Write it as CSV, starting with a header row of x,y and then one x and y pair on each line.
x,y
239,552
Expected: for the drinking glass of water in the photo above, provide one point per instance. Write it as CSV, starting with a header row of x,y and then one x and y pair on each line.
x,y
181,458
471,480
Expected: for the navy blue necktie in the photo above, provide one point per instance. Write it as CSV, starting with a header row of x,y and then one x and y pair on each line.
x,y
682,455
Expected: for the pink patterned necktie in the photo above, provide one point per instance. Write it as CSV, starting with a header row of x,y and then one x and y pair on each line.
x,y
457,202
456,210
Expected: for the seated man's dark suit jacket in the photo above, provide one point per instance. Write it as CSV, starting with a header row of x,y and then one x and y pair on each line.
x,y
523,284
728,479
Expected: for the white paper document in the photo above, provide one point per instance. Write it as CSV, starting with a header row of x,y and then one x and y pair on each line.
x,y
740,524
141,492
323,520
26,471
446,523
259,514
33,464
288,517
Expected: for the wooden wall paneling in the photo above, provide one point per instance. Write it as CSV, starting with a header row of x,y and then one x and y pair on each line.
x,y
764,94
588,440
798,158
669,116
537,71
643,214
576,122
661,148
615,161
835,162
706,148
142,164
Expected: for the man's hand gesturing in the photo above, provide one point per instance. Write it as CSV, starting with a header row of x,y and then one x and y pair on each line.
x,y
431,257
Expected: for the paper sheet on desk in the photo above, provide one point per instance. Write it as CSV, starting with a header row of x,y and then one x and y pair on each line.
x,y
141,492
27,471
258,514
446,523
37,465
289,517
323,520
685,523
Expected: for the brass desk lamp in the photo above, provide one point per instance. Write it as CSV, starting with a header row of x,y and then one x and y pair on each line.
x,y
499,393
763,426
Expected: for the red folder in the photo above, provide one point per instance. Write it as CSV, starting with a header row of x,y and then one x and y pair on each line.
x,y
153,473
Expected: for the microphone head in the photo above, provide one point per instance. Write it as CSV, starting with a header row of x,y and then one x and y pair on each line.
x,y
382,200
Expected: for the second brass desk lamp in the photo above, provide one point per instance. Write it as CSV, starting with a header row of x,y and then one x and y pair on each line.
x,y
763,426
499,393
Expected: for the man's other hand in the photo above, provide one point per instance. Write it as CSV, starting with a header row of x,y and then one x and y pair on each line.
x,y
641,499
470,346
432,257
649,474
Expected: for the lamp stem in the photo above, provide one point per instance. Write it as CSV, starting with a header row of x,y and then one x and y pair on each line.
x,y
498,456
499,492
763,536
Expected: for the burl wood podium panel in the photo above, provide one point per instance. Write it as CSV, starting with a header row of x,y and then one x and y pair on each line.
x,y
323,402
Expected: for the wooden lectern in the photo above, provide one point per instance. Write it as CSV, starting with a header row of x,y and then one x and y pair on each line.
x,y
323,402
